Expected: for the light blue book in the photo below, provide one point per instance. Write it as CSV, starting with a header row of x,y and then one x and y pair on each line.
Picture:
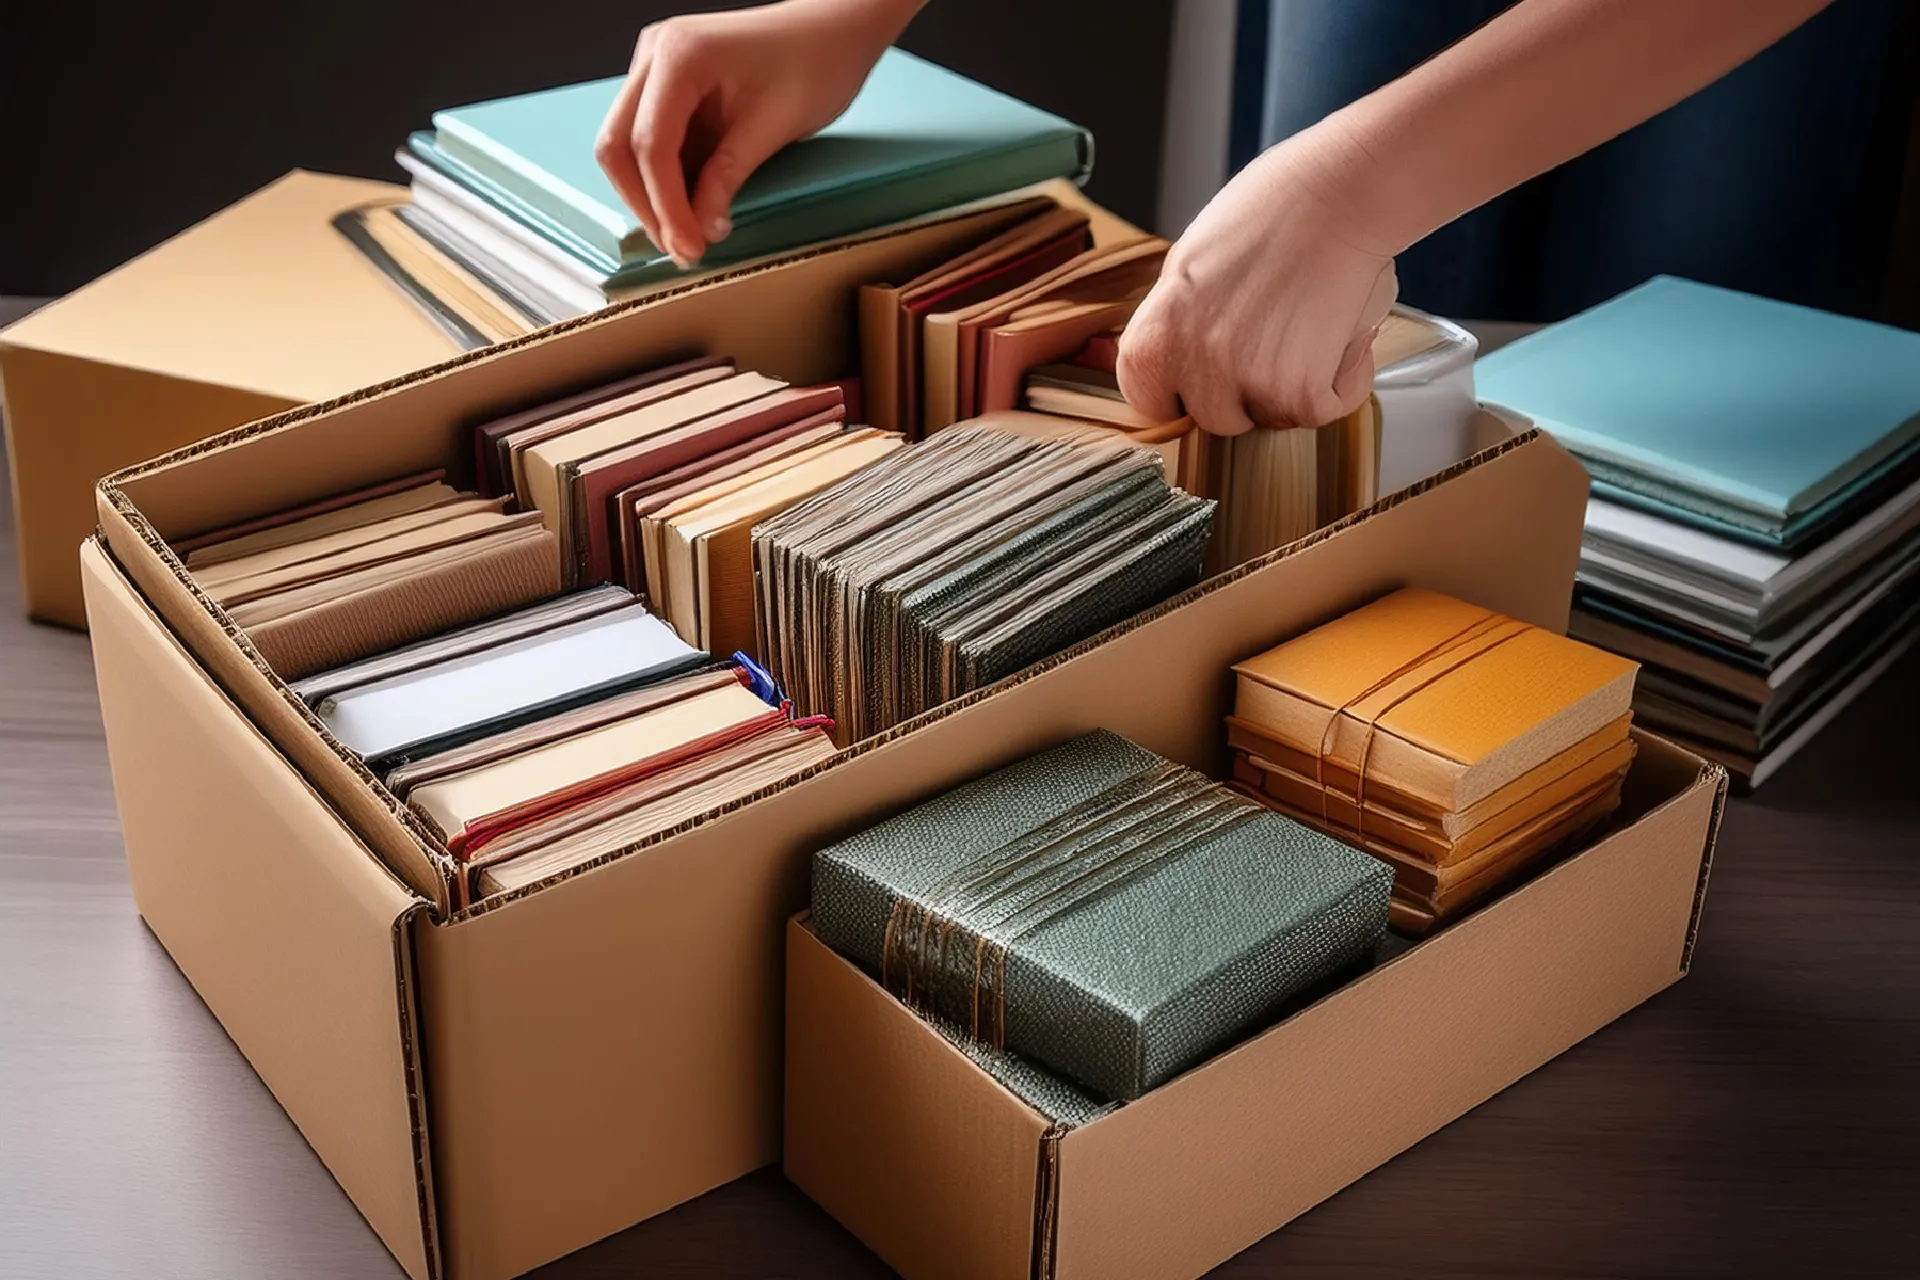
x,y
917,138
1762,420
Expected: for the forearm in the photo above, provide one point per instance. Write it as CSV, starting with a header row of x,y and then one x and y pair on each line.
x,y
880,21
1537,86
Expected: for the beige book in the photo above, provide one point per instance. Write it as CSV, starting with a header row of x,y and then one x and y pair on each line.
x,y
216,578
637,813
203,554
343,564
521,439
543,461
420,563
453,804
429,594
652,523
714,543
450,283
567,724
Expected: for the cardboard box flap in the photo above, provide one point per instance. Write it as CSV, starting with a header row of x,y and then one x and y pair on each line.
x,y
971,1213
1196,1171
265,297
295,937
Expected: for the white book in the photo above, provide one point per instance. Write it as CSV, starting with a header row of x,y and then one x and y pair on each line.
x,y
434,703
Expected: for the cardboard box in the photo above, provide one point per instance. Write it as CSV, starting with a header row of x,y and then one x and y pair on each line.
x,y
261,307
945,1173
499,1085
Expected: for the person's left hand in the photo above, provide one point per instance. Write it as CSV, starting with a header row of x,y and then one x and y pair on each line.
x,y
1265,312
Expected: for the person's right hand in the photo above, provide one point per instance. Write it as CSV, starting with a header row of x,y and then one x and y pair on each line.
x,y
709,97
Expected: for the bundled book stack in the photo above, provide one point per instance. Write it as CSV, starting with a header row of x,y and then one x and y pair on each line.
x,y
1096,919
1754,534
1457,745
512,224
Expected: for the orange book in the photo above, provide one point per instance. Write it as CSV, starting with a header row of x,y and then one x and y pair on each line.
x,y
1432,697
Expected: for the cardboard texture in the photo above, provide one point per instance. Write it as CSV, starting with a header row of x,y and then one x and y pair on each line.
x,y
920,1152
569,1091
261,307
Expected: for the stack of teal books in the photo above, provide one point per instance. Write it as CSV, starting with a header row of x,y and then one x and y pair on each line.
x,y
1753,537
509,190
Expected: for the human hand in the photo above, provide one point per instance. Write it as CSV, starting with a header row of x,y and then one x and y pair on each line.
x,y
709,97
1265,312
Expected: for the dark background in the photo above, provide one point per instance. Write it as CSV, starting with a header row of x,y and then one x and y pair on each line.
x,y
122,124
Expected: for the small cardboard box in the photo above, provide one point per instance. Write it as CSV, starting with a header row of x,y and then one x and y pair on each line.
x,y
945,1173
261,307
498,1085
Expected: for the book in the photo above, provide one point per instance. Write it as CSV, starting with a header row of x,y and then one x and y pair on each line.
x,y
916,138
339,580
1755,418
1432,696
1112,915
956,561
468,303
458,699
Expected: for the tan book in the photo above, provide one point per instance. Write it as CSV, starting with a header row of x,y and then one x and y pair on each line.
x,y
625,817
316,520
517,441
218,578
485,520
453,805
434,592
708,551
1433,696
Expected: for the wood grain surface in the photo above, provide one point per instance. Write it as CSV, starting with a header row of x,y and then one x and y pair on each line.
x,y
1760,1118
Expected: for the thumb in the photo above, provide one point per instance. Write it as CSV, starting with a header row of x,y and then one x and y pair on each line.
x,y
744,148
1146,369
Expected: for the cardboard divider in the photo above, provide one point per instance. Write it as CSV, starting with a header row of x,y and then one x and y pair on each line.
x,y
882,1113
291,932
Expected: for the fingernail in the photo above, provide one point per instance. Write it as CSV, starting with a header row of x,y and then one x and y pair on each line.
x,y
719,229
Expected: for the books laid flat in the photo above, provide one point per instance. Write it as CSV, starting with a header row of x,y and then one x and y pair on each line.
x,y
1747,416
915,139
455,700
956,561
1114,916
1459,745
472,306
340,580
486,802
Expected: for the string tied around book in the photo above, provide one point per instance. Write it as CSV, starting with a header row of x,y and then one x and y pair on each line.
x,y
945,950
1448,651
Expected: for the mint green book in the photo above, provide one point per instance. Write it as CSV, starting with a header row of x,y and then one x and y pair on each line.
x,y
917,138
1757,418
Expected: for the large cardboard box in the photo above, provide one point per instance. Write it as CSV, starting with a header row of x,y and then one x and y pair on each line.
x,y
497,1085
261,307
945,1173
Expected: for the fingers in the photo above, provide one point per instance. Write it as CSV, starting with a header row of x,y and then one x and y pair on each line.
x,y
613,146
745,148
667,103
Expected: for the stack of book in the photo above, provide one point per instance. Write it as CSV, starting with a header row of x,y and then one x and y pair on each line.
x,y
512,224
655,481
1109,915
1457,745
334,580
537,741
964,558
1754,533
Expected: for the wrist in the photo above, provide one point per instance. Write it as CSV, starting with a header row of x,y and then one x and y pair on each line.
x,y
1329,169
871,24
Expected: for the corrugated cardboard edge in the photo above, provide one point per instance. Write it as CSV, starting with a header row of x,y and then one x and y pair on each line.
x,y
1046,1209
400,931
876,741
1719,776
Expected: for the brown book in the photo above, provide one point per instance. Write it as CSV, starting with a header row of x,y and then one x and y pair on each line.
x,y
316,519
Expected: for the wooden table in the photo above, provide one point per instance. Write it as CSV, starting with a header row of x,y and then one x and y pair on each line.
x,y
1760,1118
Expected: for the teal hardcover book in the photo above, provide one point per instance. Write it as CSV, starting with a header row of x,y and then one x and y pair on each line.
x,y
1757,418
917,138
